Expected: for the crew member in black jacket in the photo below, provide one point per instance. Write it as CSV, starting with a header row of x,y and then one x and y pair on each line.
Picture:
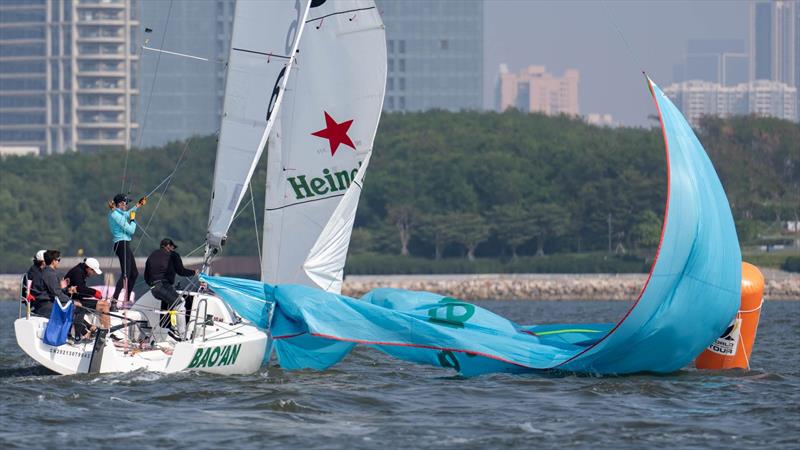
x,y
54,290
34,275
85,296
159,272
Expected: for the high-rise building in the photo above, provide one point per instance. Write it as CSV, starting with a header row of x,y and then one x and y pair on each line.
x,y
535,90
68,74
721,61
435,51
698,98
797,56
774,40
182,96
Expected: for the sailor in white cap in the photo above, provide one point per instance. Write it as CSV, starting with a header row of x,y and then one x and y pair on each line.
x,y
34,275
85,296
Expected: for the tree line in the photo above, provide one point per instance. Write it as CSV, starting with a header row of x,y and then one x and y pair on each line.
x,y
441,185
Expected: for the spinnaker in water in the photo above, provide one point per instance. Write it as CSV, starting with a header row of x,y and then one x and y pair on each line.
x,y
690,297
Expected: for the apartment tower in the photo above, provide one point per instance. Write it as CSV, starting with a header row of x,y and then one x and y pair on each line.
x,y
68,75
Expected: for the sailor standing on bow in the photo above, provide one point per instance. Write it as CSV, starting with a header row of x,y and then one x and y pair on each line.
x,y
122,224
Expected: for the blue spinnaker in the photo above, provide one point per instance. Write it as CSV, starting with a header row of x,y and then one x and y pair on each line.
x,y
690,297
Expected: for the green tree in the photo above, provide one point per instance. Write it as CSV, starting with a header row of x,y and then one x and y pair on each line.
x,y
404,217
436,229
469,230
514,225
647,231
550,220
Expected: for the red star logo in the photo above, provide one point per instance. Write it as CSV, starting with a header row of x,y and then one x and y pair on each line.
x,y
335,133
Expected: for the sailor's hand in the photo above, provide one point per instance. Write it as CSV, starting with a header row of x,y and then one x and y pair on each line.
x,y
110,204
133,216
72,290
64,283
142,201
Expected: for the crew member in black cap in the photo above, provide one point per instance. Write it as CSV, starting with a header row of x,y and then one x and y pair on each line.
x,y
122,224
159,272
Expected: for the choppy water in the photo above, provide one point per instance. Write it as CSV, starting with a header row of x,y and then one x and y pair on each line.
x,y
373,401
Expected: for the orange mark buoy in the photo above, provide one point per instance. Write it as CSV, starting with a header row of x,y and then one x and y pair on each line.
x,y
732,350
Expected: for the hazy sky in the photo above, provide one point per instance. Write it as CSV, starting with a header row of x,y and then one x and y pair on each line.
x,y
582,34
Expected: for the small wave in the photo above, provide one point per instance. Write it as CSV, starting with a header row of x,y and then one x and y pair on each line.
x,y
529,428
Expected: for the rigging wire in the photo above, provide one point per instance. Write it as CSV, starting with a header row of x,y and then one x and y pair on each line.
x,y
255,224
168,180
611,19
138,145
149,100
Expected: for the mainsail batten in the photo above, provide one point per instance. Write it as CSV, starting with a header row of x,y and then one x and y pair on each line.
x,y
327,126
263,45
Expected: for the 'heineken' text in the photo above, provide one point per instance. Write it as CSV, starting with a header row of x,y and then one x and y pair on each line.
x,y
329,182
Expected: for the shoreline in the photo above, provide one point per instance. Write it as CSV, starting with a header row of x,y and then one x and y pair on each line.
x,y
779,285
528,287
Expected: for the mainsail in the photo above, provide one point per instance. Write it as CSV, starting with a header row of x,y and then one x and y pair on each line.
x,y
327,126
691,295
263,48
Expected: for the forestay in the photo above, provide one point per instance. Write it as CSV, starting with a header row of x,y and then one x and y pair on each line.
x,y
327,126
263,48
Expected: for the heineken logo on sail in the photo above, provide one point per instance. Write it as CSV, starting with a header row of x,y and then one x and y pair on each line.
x,y
330,181
335,133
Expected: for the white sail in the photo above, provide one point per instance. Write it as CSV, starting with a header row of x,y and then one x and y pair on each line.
x,y
325,262
263,48
329,118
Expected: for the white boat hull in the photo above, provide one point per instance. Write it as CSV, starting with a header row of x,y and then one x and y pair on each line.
x,y
224,346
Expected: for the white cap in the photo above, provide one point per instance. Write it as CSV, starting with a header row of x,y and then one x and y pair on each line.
x,y
40,255
93,264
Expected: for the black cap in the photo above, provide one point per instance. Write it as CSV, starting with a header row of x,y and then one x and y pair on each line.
x,y
119,198
168,241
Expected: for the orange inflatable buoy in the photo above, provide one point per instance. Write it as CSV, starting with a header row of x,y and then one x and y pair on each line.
x,y
732,350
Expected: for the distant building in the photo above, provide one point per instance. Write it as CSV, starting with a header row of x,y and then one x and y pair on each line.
x,y
761,97
774,38
18,151
535,90
187,93
68,74
435,54
433,63
722,61
600,120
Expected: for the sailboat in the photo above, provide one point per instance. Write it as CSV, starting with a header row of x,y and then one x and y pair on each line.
x,y
690,298
331,82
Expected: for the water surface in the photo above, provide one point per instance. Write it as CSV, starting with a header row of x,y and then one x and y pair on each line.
x,y
373,401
